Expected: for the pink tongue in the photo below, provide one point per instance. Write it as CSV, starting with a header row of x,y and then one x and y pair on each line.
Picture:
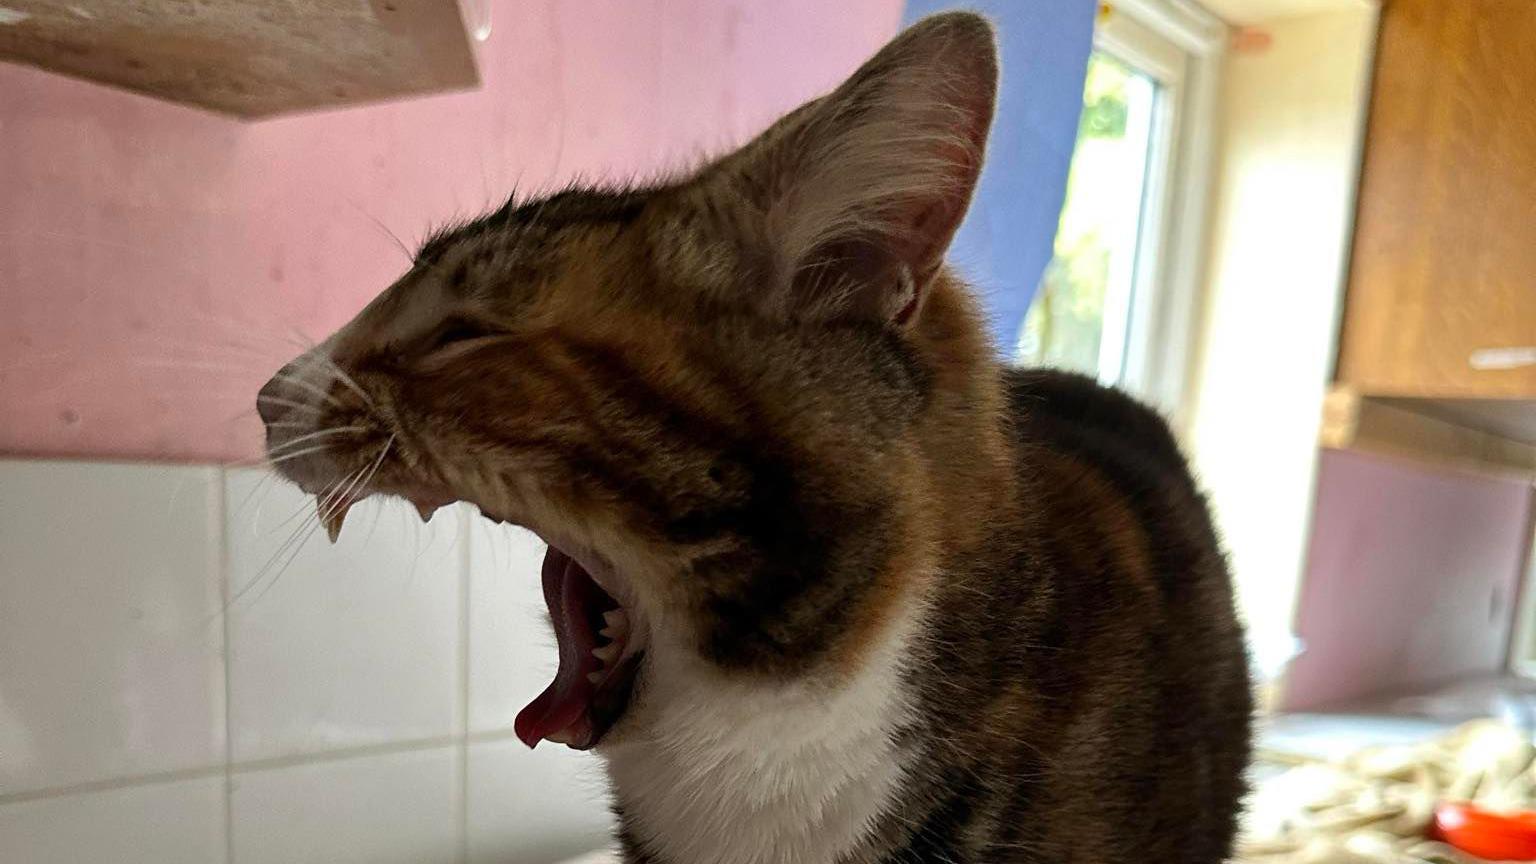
x,y
571,595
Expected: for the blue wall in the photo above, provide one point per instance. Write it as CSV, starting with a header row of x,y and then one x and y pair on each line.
x,y
1005,243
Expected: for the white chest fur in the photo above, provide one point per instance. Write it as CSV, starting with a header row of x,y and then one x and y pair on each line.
x,y
727,772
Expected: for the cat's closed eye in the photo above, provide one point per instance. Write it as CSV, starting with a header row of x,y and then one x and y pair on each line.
x,y
457,330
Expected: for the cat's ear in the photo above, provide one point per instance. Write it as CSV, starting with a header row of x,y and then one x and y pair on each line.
x,y
856,196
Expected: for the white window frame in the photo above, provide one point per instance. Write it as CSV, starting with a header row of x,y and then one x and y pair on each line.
x,y
1147,346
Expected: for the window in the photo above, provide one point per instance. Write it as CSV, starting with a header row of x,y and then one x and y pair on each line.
x,y
1078,318
1117,298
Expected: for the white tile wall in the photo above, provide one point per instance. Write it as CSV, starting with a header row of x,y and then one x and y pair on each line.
x,y
394,808
345,645
110,637
180,822
357,709
534,807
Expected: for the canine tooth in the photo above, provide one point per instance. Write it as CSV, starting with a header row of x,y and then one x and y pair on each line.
x,y
426,510
333,517
607,653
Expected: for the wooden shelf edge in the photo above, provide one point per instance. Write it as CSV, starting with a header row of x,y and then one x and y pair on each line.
x,y
1353,421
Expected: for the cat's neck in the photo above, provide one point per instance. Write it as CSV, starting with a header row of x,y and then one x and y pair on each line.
x,y
964,434
736,770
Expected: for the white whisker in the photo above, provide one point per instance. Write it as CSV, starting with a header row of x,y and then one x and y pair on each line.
x,y
282,547
299,381
287,446
346,379
286,403
289,456
361,479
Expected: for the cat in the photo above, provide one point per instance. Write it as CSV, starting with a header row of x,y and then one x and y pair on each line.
x,y
831,582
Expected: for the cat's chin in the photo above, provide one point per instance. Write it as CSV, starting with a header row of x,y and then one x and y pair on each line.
x,y
601,640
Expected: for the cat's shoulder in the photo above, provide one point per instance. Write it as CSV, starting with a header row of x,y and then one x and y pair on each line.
x,y
1067,410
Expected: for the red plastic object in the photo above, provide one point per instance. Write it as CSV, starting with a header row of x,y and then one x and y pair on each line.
x,y
1486,834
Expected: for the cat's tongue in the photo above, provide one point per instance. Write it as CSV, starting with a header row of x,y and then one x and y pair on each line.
x,y
562,712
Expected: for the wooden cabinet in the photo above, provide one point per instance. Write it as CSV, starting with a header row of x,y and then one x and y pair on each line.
x,y
1444,262
1440,313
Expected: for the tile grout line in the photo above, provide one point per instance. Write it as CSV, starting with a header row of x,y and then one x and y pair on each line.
x,y
222,534
466,560
233,769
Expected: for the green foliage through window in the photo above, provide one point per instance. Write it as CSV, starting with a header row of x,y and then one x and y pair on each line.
x,y
1096,237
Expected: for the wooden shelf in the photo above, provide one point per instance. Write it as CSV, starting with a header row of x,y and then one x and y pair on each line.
x,y
249,58
1482,436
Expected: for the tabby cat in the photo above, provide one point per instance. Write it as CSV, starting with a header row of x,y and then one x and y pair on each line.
x,y
831,583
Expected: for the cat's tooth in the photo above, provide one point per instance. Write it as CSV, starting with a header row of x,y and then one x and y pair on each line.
x,y
333,517
618,624
425,510
608,653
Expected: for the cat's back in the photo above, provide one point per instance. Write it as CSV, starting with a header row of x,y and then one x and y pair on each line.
x,y
1073,413
1119,676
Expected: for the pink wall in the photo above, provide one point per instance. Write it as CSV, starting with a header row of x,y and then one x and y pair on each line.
x,y
156,262
1411,578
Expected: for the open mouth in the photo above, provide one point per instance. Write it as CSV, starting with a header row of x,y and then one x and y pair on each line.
x,y
599,659
600,644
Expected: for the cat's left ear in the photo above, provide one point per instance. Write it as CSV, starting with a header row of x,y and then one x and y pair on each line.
x,y
855,197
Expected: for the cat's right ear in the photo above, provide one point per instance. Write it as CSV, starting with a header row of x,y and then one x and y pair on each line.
x,y
852,200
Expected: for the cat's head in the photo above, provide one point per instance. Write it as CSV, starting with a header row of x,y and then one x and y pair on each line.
x,y
708,396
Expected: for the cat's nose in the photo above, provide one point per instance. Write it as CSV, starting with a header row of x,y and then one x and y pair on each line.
x,y
270,403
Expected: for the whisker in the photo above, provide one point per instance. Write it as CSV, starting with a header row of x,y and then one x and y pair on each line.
x,y
323,433
346,379
308,508
342,500
299,338
299,535
251,583
285,457
404,249
299,381
284,554
266,478
286,403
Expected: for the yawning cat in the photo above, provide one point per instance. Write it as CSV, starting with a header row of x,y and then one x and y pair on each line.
x,y
832,584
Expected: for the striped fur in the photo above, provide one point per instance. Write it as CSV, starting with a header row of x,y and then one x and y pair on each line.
x,y
901,603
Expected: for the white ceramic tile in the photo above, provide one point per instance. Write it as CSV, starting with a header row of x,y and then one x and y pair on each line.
x,y
535,806
158,823
512,653
345,645
110,636
394,808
